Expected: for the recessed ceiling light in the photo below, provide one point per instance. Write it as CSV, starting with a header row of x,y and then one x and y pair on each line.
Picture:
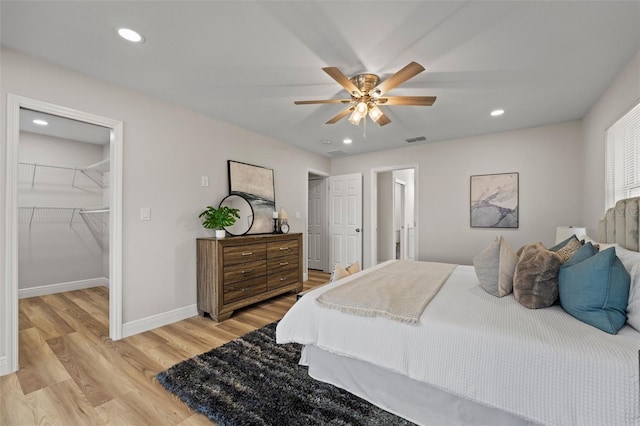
x,y
326,142
40,122
130,35
497,112
347,141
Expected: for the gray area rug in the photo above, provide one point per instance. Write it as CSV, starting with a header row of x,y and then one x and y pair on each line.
x,y
254,381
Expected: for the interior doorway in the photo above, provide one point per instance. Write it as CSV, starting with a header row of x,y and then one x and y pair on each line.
x,y
394,214
317,253
17,108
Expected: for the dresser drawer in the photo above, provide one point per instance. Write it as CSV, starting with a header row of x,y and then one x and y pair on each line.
x,y
244,253
282,279
282,248
244,289
276,265
244,271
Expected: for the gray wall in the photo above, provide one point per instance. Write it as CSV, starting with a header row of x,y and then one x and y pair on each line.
x,y
549,160
53,249
166,150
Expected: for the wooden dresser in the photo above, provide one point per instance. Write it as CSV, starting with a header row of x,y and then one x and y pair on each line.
x,y
234,272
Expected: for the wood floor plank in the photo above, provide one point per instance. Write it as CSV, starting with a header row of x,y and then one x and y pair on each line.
x,y
44,318
75,316
147,340
16,408
89,370
65,401
39,366
107,382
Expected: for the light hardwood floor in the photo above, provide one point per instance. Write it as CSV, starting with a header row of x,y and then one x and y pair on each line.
x,y
71,373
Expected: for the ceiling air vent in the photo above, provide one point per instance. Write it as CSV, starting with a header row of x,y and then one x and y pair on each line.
x,y
336,153
418,139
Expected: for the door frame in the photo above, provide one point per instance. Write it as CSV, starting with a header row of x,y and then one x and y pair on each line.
x,y
374,206
325,175
403,194
9,304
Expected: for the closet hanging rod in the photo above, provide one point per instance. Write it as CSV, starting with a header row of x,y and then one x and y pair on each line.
x,y
91,211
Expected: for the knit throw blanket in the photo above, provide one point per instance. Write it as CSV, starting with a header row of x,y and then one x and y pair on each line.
x,y
399,291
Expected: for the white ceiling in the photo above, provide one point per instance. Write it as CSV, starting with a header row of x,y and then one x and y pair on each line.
x,y
245,62
64,128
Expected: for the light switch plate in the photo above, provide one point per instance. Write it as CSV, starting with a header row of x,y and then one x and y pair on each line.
x,y
298,216
145,213
204,181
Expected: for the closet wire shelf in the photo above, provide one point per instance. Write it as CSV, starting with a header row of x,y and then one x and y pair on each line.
x,y
93,172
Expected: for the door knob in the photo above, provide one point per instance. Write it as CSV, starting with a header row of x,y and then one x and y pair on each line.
x,y
357,229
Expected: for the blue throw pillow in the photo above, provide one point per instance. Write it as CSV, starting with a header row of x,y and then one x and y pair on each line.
x,y
596,291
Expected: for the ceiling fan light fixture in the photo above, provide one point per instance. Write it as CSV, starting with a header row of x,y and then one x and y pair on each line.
x,y
375,113
355,118
361,109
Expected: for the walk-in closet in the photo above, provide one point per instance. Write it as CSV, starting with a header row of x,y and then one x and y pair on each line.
x,y
63,199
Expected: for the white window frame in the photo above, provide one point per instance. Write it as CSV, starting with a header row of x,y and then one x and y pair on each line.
x,y
622,167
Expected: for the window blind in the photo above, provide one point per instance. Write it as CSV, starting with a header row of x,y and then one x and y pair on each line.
x,y
623,158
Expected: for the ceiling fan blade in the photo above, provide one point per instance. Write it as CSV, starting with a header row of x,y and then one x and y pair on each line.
x,y
383,120
343,80
407,100
342,114
400,77
324,101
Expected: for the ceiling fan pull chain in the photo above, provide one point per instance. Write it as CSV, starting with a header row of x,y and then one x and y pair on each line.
x,y
364,131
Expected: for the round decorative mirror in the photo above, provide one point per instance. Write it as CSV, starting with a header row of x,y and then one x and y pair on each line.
x,y
242,225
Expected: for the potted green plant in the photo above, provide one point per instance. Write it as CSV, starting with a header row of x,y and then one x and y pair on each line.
x,y
219,218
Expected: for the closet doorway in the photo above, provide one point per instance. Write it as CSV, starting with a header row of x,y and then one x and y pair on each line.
x,y
317,228
64,191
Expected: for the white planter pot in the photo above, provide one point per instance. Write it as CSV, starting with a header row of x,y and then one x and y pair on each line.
x,y
220,233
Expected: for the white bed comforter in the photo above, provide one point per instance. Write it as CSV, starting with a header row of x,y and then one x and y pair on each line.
x,y
542,365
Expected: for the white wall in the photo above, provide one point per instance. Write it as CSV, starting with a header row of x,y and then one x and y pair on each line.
x,y
166,150
619,98
549,160
56,245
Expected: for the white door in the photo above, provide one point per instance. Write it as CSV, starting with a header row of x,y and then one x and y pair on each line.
x,y
345,219
316,230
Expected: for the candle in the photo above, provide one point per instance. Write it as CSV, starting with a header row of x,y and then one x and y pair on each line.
x,y
275,215
282,215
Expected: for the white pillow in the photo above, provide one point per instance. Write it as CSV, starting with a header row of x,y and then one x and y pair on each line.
x,y
631,261
495,267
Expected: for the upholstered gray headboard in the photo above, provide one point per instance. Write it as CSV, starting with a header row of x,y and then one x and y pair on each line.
x,y
620,224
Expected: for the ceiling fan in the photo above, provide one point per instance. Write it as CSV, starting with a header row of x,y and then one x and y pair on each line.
x,y
367,92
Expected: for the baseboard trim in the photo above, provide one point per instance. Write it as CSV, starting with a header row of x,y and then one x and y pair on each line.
x,y
60,287
154,321
4,366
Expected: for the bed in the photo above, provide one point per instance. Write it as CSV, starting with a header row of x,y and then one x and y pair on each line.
x,y
477,359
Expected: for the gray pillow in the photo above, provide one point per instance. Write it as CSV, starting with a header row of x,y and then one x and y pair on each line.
x,y
535,281
495,266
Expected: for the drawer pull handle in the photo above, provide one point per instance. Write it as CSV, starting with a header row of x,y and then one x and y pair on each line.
x,y
247,253
246,289
243,272
284,248
282,278
284,263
